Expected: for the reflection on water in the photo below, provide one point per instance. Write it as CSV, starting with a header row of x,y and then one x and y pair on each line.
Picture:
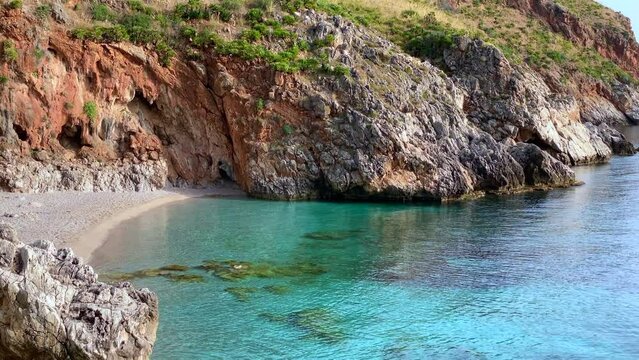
x,y
544,274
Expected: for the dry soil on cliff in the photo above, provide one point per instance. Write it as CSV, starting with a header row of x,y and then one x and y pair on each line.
x,y
82,221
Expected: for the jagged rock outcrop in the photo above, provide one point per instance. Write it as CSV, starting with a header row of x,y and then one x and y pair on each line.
x,y
394,131
626,98
539,167
53,307
512,102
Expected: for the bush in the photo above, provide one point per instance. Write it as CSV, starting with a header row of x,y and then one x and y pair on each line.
x,y
222,13
288,129
137,5
296,5
283,34
556,56
206,38
43,11
165,53
327,41
117,33
137,20
231,5
193,10
265,5
9,51
39,53
105,34
254,16
15,4
251,35
289,19
429,41
139,28
90,109
101,12
3,80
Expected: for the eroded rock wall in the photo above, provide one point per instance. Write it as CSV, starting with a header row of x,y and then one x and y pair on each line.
x,y
395,128
145,111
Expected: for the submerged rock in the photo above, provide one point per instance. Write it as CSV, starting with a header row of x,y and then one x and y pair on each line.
x,y
194,278
172,272
53,307
317,323
332,235
277,289
233,270
241,293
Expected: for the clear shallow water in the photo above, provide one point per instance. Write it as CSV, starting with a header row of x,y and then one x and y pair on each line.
x,y
540,275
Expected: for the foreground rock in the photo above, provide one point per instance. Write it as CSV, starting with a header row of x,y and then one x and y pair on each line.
x,y
53,307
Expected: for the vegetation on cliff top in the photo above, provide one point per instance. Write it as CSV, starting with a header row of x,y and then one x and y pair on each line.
x,y
194,26
425,28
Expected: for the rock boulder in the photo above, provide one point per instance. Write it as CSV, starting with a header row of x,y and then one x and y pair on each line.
x,y
53,307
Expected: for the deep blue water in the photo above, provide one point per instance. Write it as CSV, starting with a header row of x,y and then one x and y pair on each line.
x,y
537,276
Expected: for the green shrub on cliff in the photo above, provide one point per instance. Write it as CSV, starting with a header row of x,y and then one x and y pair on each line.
x,y
165,53
90,109
107,34
101,12
43,11
265,5
138,6
3,80
9,51
15,4
192,10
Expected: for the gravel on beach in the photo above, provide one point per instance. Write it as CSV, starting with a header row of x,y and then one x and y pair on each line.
x,y
61,217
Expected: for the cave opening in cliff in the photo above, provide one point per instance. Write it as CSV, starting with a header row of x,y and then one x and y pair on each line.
x,y
70,137
21,132
225,170
530,137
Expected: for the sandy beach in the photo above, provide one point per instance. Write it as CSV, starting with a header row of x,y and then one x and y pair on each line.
x,y
82,221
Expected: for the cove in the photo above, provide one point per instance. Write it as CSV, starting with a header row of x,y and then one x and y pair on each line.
x,y
536,275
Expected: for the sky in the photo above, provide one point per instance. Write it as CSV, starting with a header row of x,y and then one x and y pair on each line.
x,y
629,8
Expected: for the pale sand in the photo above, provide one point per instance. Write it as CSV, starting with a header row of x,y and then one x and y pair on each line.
x,y
82,221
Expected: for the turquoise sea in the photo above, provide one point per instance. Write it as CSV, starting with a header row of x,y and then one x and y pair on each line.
x,y
544,275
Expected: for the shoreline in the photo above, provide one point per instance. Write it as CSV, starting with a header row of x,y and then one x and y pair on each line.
x,y
82,221
95,236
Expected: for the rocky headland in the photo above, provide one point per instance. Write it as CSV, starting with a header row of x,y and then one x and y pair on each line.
x,y
53,307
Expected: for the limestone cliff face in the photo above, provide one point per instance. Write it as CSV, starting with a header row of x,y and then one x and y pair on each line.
x,y
396,128
514,104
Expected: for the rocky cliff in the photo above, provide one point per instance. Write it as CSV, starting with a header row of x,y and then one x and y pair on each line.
x,y
96,110
53,307
607,32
